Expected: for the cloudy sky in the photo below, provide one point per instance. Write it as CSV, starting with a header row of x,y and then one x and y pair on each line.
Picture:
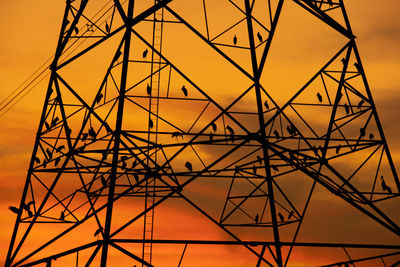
x,y
29,32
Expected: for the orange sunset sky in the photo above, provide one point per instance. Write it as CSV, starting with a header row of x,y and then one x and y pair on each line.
x,y
28,37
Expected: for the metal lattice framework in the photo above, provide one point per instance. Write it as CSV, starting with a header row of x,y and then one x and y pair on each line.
x,y
136,129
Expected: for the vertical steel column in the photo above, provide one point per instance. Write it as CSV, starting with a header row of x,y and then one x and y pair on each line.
x,y
57,55
117,134
264,143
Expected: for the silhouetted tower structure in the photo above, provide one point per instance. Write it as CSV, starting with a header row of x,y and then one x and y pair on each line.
x,y
134,118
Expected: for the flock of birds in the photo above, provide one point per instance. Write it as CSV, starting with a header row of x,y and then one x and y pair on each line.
x,y
92,134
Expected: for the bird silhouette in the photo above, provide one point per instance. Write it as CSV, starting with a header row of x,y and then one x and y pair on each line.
x,y
385,187
362,132
281,217
234,40
98,98
148,89
123,165
47,125
98,231
177,134
289,130
330,2
49,153
145,53
76,30
27,208
56,161
37,160
184,90
276,133
104,155
214,126
294,129
151,125
319,96
107,27
358,66
274,168
254,170
359,106
188,165
259,159
230,130
92,133
291,213
62,216
136,176
134,164
103,181
237,169
338,148
14,209
60,148
85,136
256,218
346,108
343,61
266,104
259,37
371,136
54,121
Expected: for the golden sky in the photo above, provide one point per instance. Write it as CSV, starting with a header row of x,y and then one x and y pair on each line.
x,y
28,36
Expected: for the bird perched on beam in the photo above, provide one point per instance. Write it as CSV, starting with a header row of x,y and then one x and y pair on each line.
x,y
145,53
14,209
184,90
214,126
266,104
231,132
385,187
107,27
254,170
98,98
291,213
188,165
276,133
259,37
359,106
319,96
281,217
346,108
148,89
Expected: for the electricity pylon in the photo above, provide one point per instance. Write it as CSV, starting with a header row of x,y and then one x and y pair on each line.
x,y
130,124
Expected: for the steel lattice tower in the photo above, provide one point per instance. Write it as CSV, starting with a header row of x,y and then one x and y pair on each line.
x,y
137,128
